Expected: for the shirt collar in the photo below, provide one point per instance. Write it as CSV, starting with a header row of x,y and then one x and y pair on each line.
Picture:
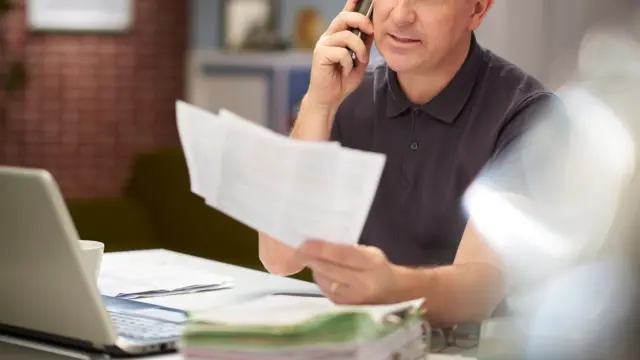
x,y
449,102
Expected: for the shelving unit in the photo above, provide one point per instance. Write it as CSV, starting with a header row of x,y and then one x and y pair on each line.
x,y
263,87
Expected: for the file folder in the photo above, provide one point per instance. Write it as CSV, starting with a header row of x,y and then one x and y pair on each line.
x,y
327,332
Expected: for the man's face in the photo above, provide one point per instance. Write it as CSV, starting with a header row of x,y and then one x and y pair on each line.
x,y
418,34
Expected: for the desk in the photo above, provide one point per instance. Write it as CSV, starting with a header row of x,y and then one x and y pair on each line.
x,y
11,352
248,283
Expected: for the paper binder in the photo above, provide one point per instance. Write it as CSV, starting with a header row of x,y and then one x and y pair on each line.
x,y
341,333
415,349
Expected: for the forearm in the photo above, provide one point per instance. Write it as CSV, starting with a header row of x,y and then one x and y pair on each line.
x,y
314,121
454,294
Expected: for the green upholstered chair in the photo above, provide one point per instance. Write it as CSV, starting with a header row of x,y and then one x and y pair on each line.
x,y
160,181
120,223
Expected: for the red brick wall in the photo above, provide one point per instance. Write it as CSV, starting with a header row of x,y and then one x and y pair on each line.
x,y
95,101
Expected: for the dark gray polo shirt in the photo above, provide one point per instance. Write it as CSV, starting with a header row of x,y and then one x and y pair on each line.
x,y
435,150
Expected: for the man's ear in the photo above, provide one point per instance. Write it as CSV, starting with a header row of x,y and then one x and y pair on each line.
x,y
479,10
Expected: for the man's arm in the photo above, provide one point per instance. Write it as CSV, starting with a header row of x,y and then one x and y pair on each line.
x,y
314,123
471,288
468,290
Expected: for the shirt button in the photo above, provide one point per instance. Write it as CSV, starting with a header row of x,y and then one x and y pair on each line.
x,y
414,146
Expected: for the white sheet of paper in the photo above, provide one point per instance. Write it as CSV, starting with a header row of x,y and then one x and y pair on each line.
x,y
336,188
124,277
292,190
206,141
279,310
188,141
361,175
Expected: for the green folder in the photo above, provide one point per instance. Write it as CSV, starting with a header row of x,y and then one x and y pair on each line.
x,y
296,322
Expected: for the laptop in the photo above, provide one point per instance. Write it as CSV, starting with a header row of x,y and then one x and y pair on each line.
x,y
47,295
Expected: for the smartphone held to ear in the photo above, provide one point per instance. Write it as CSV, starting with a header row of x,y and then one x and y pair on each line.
x,y
364,7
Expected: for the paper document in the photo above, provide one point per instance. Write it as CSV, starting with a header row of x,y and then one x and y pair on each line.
x,y
146,279
282,310
289,189
298,327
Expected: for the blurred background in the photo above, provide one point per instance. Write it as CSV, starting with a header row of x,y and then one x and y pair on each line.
x,y
89,89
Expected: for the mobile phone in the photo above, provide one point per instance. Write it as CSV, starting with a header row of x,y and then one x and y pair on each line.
x,y
364,7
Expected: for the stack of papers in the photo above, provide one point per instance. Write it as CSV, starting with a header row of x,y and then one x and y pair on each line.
x,y
148,279
278,327
289,189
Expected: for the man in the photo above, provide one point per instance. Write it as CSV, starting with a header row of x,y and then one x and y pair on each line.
x,y
439,108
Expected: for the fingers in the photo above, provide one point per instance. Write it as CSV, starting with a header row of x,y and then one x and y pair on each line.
x,y
332,47
347,39
329,286
364,64
346,286
338,292
331,291
350,19
368,44
337,55
348,256
334,272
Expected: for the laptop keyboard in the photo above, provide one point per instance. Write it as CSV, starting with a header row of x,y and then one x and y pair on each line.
x,y
144,328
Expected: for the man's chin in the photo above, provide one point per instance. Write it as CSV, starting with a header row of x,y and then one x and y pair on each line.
x,y
402,64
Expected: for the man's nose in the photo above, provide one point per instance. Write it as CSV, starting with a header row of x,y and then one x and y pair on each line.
x,y
403,12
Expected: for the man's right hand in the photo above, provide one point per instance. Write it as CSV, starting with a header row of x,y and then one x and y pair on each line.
x,y
333,76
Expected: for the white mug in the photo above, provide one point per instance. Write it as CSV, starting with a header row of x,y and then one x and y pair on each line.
x,y
91,257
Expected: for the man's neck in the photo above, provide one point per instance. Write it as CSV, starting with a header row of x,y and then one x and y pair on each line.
x,y
421,86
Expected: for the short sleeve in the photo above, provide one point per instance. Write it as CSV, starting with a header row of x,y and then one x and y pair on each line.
x,y
532,140
543,106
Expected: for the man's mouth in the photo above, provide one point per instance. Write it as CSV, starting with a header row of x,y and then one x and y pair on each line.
x,y
404,39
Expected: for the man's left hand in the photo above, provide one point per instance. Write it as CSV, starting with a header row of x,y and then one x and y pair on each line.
x,y
349,274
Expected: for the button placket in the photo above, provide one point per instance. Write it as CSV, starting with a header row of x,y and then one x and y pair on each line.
x,y
413,146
